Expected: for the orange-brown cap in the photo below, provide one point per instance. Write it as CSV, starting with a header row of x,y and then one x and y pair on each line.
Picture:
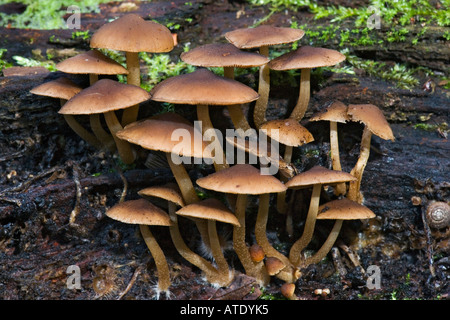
x,y
222,55
202,87
318,175
241,179
288,290
139,211
132,33
210,209
336,112
274,265
170,192
290,132
344,209
91,62
373,118
256,253
264,35
103,96
160,135
61,88
306,57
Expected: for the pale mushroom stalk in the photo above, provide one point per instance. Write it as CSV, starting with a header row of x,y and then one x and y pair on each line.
x,y
123,147
158,255
326,246
134,78
304,95
192,257
209,134
354,186
240,246
80,130
189,195
281,197
260,230
222,265
96,126
259,113
335,158
236,114
305,239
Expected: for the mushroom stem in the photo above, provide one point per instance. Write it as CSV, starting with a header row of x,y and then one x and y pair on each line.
x,y
304,95
240,246
82,132
225,276
134,78
281,197
96,126
209,133
259,113
158,255
357,171
192,257
326,246
123,147
335,158
189,195
303,241
236,113
100,133
260,230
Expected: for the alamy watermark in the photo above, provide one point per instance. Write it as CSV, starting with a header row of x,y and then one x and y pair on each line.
x,y
74,277
374,277
259,147
74,20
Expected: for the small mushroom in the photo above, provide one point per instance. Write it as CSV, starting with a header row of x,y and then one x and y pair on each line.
x,y
154,134
339,210
305,58
228,57
106,96
262,37
144,214
291,134
132,34
374,123
315,177
203,88
288,291
335,113
93,63
213,210
244,180
64,89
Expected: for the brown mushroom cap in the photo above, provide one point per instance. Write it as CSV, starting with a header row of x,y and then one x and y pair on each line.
x,y
156,135
373,118
291,132
170,192
210,209
274,265
306,57
132,33
256,253
103,96
318,175
344,209
336,111
202,87
93,62
241,179
264,35
61,88
139,211
287,290
222,55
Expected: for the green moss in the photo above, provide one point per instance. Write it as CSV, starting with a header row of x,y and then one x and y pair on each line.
x,y
43,14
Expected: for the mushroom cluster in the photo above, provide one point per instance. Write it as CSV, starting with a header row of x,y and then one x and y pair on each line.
x,y
183,140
